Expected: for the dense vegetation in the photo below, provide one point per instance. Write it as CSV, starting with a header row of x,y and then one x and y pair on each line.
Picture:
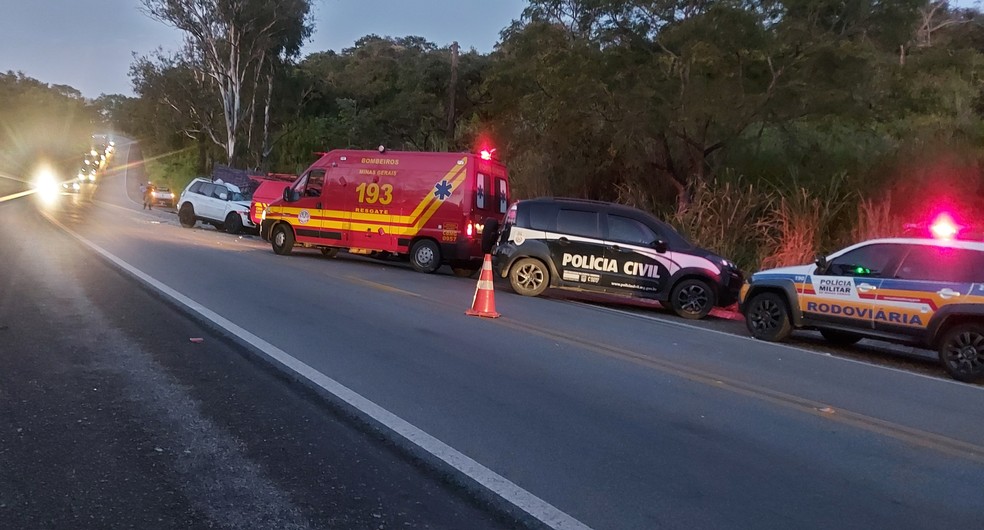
x,y
764,129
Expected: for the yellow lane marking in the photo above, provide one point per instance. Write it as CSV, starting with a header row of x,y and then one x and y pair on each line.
x,y
381,286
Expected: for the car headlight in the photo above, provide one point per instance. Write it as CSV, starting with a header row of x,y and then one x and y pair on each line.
x,y
75,186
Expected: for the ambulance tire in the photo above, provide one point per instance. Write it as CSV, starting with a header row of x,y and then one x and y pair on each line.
x,y
233,223
489,231
529,277
840,338
692,299
187,216
962,352
282,239
425,256
767,317
329,252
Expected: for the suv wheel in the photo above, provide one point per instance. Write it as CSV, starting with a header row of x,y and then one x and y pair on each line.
x,y
962,352
767,317
233,223
692,299
529,277
187,216
425,256
282,239
840,338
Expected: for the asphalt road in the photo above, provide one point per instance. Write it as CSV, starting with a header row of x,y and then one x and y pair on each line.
x,y
615,419
110,417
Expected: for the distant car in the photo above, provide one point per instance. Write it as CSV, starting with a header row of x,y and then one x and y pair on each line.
x,y
163,196
218,203
925,292
71,187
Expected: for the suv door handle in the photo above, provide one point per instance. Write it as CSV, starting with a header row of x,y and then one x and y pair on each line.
x,y
564,241
617,248
947,293
865,287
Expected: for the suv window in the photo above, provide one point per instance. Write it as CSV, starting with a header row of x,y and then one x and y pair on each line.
x,y
626,230
543,217
871,260
196,186
207,189
219,191
942,264
578,222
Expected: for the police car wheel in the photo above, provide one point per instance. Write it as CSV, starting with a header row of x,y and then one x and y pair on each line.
x,y
962,353
840,338
529,277
767,317
692,299
233,223
187,216
425,256
282,240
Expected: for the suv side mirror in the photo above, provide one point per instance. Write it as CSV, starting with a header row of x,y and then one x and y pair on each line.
x,y
821,262
223,196
659,246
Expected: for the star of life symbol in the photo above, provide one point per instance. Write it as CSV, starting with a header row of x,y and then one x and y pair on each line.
x,y
442,190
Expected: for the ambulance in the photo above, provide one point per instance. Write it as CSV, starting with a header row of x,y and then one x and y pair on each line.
x,y
428,207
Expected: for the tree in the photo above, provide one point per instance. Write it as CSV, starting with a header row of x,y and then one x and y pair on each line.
x,y
227,41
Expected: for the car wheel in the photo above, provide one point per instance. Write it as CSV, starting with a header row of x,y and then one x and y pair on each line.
x,y
962,352
187,216
464,272
233,223
425,256
282,239
840,338
767,317
692,299
529,277
329,252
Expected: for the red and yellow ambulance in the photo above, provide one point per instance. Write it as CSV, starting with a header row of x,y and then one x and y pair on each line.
x,y
429,207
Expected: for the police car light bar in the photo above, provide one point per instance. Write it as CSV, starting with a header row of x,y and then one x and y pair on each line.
x,y
944,227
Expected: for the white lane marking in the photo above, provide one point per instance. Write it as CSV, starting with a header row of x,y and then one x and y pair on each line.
x,y
500,486
778,345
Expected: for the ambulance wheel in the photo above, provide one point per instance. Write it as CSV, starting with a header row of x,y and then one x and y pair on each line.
x,y
282,239
529,277
464,272
962,353
187,216
329,252
840,338
767,317
425,256
233,223
692,299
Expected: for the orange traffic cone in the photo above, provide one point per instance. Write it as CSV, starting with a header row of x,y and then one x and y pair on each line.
x,y
483,303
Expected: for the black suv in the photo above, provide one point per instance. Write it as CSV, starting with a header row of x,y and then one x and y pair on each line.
x,y
609,248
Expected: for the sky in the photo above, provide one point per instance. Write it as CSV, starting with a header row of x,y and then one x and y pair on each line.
x,y
89,44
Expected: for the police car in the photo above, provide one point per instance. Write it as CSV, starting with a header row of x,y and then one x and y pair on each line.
x,y
919,291
609,248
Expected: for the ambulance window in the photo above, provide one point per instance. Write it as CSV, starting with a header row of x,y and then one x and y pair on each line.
x,y
315,182
940,264
578,222
481,191
502,195
870,260
626,230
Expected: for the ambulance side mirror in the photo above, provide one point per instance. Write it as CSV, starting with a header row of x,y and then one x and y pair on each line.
x,y
659,246
286,195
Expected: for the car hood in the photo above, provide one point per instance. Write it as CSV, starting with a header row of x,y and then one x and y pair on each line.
x,y
797,269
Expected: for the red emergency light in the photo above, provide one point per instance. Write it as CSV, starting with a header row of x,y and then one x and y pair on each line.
x,y
944,227
487,154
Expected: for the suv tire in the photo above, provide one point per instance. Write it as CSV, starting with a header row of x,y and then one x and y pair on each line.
x,y
282,239
529,277
187,216
962,352
692,299
840,338
233,223
425,256
767,317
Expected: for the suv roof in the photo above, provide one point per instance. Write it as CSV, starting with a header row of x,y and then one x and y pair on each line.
x,y
949,243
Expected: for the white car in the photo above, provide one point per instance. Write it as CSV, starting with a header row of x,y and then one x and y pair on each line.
x,y
218,203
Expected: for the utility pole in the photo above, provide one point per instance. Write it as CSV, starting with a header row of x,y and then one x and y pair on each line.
x,y
452,88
